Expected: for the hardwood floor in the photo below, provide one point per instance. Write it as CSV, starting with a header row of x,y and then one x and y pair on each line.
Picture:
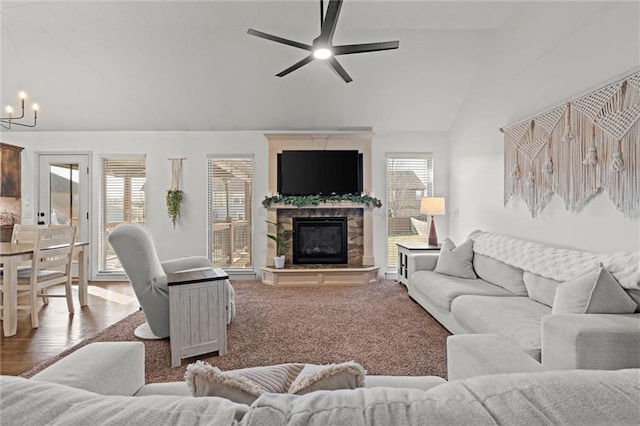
x,y
109,302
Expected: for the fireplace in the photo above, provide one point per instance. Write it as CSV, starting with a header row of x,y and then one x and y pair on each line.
x,y
320,240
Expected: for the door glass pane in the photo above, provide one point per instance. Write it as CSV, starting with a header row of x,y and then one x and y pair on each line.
x,y
64,194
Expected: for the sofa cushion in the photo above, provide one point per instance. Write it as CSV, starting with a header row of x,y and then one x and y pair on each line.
x,y
565,397
442,289
456,261
499,273
34,402
518,319
368,406
595,292
541,289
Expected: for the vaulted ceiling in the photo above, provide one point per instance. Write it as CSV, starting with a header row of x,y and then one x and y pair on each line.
x,y
179,65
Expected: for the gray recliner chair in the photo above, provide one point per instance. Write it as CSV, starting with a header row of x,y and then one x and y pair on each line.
x,y
134,247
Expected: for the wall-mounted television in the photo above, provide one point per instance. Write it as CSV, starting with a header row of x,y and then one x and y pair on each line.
x,y
319,172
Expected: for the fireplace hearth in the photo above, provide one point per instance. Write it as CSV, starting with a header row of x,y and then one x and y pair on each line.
x,y
320,240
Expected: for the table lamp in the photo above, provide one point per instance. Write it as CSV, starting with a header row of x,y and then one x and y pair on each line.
x,y
433,206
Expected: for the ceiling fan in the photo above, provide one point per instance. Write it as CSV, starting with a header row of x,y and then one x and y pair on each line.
x,y
322,46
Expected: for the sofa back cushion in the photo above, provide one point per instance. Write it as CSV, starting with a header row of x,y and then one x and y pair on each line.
x,y
555,263
540,289
635,295
508,277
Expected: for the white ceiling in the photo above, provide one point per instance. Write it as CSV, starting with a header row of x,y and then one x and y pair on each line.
x,y
162,65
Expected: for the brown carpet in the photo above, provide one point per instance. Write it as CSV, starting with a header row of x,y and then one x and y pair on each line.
x,y
377,325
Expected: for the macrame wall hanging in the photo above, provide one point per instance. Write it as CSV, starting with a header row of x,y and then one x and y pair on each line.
x,y
589,144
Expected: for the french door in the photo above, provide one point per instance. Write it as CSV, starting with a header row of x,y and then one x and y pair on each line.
x,y
63,192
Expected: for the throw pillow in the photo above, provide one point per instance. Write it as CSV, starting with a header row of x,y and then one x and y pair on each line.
x,y
347,375
243,386
595,292
456,261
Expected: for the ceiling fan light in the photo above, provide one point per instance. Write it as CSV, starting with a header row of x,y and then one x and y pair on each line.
x,y
322,53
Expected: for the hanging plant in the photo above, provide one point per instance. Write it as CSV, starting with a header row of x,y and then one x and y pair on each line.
x,y
174,200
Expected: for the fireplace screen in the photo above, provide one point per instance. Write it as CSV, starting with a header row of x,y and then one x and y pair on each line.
x,y
320,240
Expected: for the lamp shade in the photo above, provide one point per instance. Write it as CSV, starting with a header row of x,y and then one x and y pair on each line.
x,y
432,206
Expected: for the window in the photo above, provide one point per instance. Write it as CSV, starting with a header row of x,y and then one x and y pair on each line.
x,y
122,199
230,206
409,178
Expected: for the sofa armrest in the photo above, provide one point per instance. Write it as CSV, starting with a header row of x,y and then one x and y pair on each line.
x,y
591,341
471,355
107,368
183,263
421,262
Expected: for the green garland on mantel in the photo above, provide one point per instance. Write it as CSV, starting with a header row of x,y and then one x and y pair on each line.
x,y
314,200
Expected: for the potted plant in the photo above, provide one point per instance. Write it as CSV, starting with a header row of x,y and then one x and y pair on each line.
x,y
174,200
282,239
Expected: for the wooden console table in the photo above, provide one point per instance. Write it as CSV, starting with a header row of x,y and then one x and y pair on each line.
x,y
197,313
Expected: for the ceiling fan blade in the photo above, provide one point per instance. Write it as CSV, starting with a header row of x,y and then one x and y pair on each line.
x,y
295,66
333,63
278,39
348,49
330,21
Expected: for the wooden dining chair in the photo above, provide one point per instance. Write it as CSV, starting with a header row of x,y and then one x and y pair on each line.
x,y
51,265
25,233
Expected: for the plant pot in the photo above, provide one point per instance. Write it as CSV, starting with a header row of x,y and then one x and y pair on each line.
x,y
279,261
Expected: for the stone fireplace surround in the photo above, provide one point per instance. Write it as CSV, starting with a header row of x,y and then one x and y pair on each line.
x,y
360,268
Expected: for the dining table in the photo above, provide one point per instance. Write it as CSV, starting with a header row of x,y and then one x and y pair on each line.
x,y
11,255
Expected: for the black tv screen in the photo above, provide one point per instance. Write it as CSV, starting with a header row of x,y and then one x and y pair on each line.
x,y
319,172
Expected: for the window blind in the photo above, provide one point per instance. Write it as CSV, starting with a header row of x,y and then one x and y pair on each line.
x,y
409,178
230,182
122,199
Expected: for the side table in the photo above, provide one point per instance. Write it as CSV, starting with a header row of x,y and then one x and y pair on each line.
x,y
197,313
404,249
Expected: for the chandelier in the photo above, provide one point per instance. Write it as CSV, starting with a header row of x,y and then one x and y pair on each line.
x,y
10,120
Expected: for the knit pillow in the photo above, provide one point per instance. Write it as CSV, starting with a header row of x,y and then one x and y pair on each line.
x,y
456,261
347,375
243,386
595,292
246,385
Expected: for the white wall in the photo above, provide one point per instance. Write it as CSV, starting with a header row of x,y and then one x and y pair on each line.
x,y
541,59
190,236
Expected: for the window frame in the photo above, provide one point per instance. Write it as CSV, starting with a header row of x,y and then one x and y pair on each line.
x,y
428,191
102,239
232,201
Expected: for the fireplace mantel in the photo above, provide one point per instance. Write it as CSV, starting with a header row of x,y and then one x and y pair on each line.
x,y
323,205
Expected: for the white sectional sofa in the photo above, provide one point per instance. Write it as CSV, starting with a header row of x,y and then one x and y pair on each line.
x,y
514,293
103,384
